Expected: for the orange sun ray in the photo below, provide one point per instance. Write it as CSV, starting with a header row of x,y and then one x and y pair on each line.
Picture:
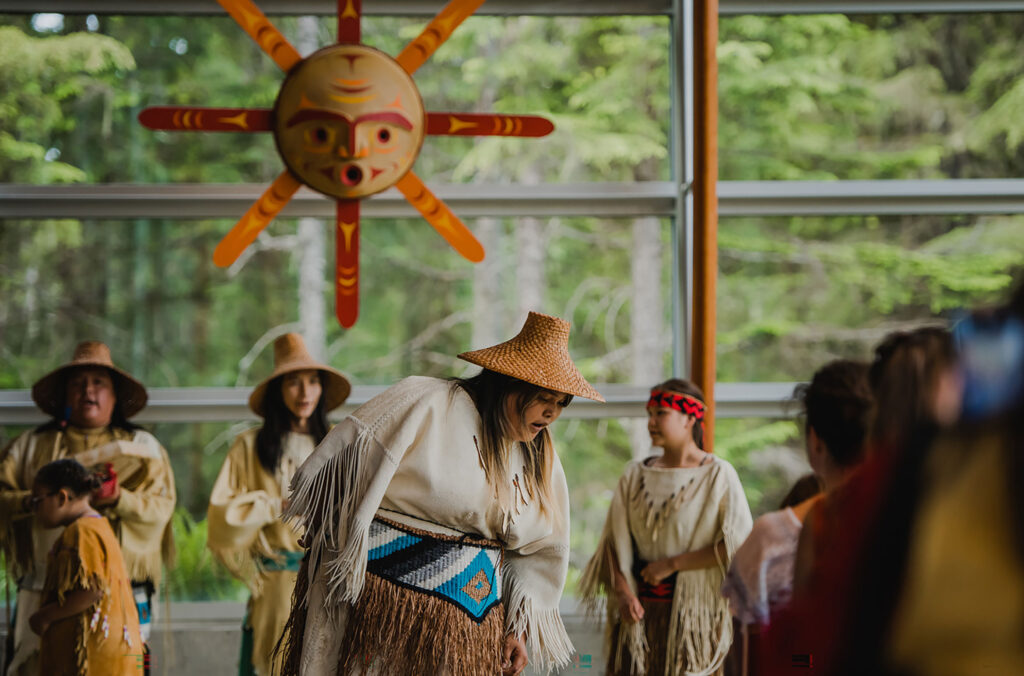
x,y
434,35
346,260
193,118
486,124
349,13
255,219
265,34
440,217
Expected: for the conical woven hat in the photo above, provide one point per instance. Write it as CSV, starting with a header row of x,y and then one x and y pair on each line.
x,y
538,355
290,355
48,392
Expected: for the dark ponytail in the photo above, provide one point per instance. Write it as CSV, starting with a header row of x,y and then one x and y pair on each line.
x,y
68,474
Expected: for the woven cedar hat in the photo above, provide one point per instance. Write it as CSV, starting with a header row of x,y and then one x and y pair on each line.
x,y
539,355
48,392
290,355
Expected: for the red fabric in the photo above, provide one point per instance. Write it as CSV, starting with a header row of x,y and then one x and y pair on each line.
x,y
109,485
813,625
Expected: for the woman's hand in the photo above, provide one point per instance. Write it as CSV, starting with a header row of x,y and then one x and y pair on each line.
x,y
656,571
40,620
629,606
513,655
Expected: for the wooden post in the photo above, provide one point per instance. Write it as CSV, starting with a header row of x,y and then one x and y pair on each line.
x,y
705,204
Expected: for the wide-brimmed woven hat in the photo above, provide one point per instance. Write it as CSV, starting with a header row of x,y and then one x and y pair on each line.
x,y
48,392
290,355
538,355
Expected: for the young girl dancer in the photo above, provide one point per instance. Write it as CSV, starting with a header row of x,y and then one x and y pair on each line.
x,y
674,523
87,622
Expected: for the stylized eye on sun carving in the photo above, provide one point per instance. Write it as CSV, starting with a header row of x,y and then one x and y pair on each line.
x,y
349,123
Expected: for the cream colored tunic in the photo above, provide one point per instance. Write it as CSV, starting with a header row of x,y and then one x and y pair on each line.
x,y
141,518
666,512
244,526
962,608
413,449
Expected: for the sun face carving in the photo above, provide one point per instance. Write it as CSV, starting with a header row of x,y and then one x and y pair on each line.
x,y
349,123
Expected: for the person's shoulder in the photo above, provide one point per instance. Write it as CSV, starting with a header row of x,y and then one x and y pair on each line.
x,y
417,387
142,436
26,439
405,398
244,443
633,468
724,468
777,521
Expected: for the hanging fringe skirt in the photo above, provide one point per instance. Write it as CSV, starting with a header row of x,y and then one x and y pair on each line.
x,y
657,604
431,604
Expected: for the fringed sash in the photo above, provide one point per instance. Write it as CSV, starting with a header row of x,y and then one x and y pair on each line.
x,y
431,604
465,573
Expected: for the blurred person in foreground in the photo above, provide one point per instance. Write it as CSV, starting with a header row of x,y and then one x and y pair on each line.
x,y
949,562
246,532
923,520
837,409
674,523
90,402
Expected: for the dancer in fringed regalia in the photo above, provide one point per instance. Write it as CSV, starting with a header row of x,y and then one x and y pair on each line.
x,y
673,525
437,522
246,531
87,622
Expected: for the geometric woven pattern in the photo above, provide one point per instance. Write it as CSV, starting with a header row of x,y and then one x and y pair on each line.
x,y
467,575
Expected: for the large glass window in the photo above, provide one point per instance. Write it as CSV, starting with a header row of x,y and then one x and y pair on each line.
x,y
829,96
813,97
795,292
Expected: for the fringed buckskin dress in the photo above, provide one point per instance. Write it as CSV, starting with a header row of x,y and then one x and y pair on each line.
x,y
416,565
656,513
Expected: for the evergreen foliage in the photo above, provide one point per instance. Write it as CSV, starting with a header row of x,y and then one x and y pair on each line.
x,y
801,98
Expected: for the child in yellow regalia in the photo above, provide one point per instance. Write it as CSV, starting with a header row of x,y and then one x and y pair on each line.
x,y
87,622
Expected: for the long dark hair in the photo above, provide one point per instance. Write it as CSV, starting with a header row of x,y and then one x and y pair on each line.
x,y
117,417
277,421
904,377
683,386
489,391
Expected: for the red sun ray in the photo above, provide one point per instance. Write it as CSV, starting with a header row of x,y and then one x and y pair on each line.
x,y
192,118
476,124
265,34
349,13
441,217
255,219
346,260
434,35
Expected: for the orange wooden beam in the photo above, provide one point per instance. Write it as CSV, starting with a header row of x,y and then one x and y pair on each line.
x,y
705,205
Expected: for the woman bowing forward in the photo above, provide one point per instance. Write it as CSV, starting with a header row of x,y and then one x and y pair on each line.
x,y
437,519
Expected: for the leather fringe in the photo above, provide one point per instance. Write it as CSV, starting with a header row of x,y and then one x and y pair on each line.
x,y
288,651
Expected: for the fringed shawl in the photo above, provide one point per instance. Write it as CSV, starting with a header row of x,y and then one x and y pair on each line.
x,y
665,512
413,450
